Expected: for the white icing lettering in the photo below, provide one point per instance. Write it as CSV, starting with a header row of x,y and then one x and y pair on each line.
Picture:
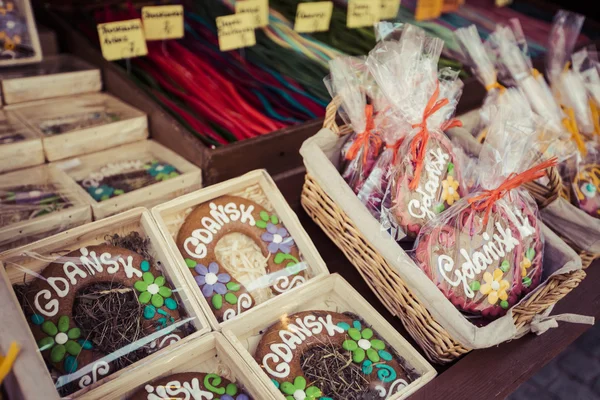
x,y
72,270
210,225
218,214
247,215
290,339
112,265
51,307
231,209
435,163
130,271
61,292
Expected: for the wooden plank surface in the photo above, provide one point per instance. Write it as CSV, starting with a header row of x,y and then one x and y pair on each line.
x,y
491,373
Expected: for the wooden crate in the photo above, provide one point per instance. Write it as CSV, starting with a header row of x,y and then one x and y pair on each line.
x,y
55,76
23,153
132,125
170,216
330,293
18,266
24,232
211,353
29,39
190,177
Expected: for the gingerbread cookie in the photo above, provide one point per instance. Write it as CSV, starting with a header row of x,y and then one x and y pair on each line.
x,y
484,268
190,386
290,348
21,203
586,186
212,220
53,296
439,186
122,177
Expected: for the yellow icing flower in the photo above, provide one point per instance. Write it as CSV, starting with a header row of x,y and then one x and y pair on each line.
x,y
526,263
450,193
494,286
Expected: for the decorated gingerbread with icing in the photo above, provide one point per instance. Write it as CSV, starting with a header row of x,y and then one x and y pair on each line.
x,y
418,197
190,386
484,267
53,295
586,186
118,178
212,220
289,348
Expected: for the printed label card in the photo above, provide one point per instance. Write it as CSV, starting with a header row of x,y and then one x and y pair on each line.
x,y
122,39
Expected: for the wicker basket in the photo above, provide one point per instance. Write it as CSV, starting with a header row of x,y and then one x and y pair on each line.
x,y
438,344
546,194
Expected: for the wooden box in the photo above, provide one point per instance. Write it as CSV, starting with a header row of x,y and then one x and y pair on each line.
x,y
20,43
211,353
20,146
31,229
256,184
55,76
20,266
330,293
82,124
189,179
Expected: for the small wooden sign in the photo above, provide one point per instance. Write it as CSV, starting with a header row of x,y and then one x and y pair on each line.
x,y
163,22
236,31
428,9
122,39
313,17
363,13
259,9
389,9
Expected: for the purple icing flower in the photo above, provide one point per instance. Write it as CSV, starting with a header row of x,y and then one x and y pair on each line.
x,y
240,396
278,239
210,280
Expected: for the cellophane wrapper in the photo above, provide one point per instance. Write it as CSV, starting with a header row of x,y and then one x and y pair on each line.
x,y
561,42
585,62
485,266
482,67
348,82
518,65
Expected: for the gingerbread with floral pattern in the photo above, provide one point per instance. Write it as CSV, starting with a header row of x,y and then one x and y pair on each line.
x,y
190,386
53,294
211,221
283,345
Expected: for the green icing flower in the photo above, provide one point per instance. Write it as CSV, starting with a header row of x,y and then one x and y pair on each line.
x,y
60,339
299,391
361,343
152,289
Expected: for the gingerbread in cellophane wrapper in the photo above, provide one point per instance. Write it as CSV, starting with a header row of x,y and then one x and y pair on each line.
x,y
424,177
486,252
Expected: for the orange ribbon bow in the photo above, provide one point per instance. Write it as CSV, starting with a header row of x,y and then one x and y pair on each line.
x,y
419,142
365,138
486,200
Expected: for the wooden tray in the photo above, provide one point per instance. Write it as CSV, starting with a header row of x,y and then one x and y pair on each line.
x,y
131,126
17,267
190,177
211,353
55,76
23,153
170,217
24,232
331,293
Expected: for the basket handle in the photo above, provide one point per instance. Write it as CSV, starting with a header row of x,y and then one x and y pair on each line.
x,y
330,116
545,195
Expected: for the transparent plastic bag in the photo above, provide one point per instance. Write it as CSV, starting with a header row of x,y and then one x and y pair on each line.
x,y
407,74
485,253
101,299
529,80
585,183
561,42
483,68
347,84
585,62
